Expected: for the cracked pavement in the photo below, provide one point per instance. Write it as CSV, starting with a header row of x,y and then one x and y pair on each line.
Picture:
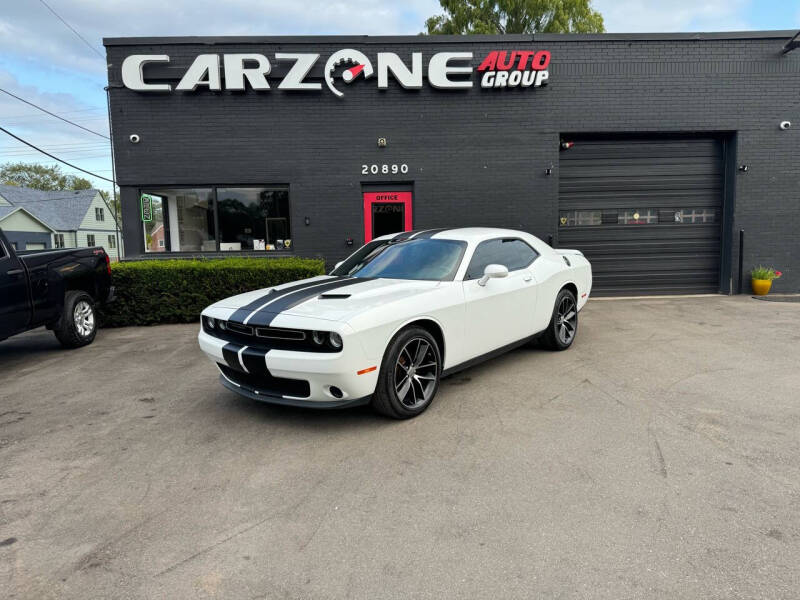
x,y
658,458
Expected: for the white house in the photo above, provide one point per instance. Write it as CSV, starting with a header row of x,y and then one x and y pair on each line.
x,y
37,220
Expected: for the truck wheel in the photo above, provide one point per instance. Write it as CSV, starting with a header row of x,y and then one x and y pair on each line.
x,y
78,323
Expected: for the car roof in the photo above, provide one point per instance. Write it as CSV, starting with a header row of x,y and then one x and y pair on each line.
x,y
466,234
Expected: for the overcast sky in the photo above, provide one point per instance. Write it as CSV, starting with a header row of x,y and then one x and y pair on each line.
x,y
46,63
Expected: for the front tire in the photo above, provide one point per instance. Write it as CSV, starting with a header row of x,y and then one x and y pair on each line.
x,y
410,373
78,323
563,327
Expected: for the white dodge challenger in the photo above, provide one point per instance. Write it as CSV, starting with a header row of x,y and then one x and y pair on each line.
x,y
395,317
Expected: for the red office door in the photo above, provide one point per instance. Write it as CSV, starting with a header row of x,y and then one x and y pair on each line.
x,y
386,212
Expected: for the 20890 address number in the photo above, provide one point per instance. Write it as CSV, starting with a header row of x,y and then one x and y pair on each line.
x,y
384,169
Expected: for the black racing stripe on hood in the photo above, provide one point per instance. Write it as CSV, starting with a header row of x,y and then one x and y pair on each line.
x,y
255,362
245,311
429,233
230,352
264,317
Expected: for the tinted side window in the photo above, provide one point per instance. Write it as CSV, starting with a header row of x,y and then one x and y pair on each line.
x,y
2,251
513,253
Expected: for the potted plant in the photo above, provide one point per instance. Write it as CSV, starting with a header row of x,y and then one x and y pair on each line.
x,y
762,279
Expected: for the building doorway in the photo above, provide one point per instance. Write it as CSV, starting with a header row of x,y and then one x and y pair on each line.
x,y
386,212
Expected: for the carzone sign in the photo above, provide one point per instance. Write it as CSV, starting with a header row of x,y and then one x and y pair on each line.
x,y
446,70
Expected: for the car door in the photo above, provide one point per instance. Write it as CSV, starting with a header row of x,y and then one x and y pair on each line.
x,y
14,309
500,312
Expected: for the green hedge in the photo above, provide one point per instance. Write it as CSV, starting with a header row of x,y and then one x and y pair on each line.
x,y
175,291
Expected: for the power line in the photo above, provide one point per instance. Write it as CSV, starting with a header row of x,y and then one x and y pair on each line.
x,y
65,112
19,139
52,114
72,29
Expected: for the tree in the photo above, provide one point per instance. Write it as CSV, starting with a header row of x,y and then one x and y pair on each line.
x,y
41,177
515,16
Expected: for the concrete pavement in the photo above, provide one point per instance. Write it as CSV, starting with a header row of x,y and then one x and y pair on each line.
x,y
657,458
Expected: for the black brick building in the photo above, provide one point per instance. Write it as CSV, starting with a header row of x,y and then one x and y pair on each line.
x,y
675,144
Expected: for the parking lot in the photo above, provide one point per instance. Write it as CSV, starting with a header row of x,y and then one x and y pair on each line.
x,y
658,458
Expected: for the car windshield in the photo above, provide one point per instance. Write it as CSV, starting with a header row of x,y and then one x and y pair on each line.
x,y
427,259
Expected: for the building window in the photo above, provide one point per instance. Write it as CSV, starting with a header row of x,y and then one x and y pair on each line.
x,y
112,241
579,218
98,214
696,215
90,240
183,221
644,216
58,240
254,219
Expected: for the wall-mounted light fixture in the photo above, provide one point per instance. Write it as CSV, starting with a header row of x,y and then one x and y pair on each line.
x,y
744,168
381,142
307,221
549,170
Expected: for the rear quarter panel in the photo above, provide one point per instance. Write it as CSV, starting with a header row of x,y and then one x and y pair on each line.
x,y
53,273
552,273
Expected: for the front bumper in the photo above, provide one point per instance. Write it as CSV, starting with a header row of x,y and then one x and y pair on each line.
x,y
293,378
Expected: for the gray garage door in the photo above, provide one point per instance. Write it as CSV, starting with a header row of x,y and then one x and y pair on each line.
x,y
645,212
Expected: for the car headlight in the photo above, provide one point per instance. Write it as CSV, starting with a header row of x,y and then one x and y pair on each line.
x,y
318,337
211,322
335,340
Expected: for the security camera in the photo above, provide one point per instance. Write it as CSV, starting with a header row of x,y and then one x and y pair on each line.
x,y
134,138
786,124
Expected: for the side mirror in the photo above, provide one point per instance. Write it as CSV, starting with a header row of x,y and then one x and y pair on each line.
x,y
492,272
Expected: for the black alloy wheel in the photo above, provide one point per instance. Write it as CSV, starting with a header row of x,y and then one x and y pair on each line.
x,y
410,373
563,327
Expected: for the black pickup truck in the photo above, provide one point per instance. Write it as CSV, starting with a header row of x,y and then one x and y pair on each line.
x,y
55,288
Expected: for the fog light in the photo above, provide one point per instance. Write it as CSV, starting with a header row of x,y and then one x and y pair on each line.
x,y
318,337
335,340
336,392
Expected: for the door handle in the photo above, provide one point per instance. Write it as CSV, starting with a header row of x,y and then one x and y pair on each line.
x,y
527,278
14,272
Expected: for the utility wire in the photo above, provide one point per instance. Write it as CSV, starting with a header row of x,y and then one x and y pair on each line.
x,y
72,29
19,139
52,114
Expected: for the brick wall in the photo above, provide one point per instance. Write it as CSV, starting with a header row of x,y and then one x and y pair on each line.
x,y
475,157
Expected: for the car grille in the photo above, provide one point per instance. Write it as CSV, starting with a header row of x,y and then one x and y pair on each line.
x,y
267,338
267,385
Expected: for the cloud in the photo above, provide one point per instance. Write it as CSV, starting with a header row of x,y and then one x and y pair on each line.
x,y
61,139
29,31
676,15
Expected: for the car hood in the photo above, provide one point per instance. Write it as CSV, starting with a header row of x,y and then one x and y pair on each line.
x,y
329,298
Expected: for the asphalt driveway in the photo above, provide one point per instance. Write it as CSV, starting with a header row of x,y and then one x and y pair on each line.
x,y
658,458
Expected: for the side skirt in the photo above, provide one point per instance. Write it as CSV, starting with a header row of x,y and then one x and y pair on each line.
x,y
490,355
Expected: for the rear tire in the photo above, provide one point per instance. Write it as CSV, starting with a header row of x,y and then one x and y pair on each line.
x,y
563,327
410,374
78,323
